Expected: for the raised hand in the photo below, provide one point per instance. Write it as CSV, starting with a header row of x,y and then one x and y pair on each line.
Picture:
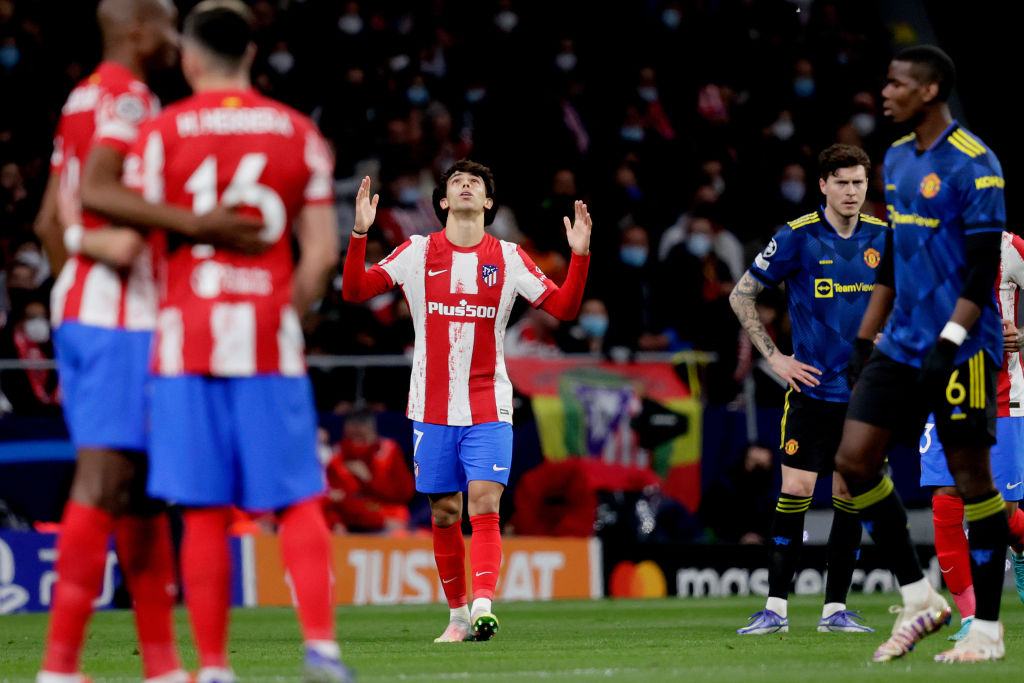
x,y
366,208
577,233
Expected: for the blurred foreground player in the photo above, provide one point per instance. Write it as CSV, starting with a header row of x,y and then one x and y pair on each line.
x,y
232,409
1006,455
940,350
827,260
461,284
103,312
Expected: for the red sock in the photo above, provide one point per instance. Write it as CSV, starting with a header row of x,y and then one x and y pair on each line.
x,y
146,555
485,554
206,572
951,542
450,557
81,560
306,549
1016,521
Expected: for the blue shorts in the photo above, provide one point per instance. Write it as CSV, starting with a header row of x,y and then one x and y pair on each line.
x,y
1007,458
247,441
103,375
446,459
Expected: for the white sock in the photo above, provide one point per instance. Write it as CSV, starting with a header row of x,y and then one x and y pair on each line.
x,y
176,676
51,677
916,593
991,629
214,673
777,605
459,614
481,605
326,648
831,608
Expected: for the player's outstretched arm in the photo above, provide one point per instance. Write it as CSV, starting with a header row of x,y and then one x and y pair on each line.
x,y
317,233
743,301
103,192
59,227
357,284
48,227
564,302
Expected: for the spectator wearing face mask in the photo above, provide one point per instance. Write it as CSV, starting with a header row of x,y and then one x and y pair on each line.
x,y
27,337
700,302
637,293
587,335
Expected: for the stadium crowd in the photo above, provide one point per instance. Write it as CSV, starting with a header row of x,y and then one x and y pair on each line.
x,y
693,140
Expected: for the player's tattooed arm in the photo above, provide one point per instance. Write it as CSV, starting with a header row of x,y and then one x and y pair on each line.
x,y
743,301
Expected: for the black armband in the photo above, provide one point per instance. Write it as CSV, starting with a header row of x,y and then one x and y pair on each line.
x,y
886,277
982,266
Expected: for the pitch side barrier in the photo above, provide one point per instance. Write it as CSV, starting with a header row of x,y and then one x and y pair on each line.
x,y
377,569
368,570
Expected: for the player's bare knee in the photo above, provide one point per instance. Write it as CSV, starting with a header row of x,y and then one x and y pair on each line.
x,y
798,488
446,509
484,498
851,466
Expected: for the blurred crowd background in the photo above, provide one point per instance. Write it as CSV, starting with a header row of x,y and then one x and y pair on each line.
x,y
690,127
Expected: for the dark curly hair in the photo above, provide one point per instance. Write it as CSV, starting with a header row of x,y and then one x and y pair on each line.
x,y
472,168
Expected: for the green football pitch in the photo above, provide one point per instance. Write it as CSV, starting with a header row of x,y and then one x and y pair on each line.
x,y
615,640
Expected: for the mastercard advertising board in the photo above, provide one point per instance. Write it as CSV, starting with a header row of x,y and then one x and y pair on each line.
x,y
379,570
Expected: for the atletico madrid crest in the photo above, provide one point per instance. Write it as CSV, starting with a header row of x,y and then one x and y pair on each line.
x,y
489,274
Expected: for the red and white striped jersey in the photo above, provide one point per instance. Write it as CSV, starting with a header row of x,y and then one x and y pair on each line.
x,y
104,109
223,313
460,299
1011,280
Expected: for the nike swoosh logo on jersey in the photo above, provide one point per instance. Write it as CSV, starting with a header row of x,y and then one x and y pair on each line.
x,y
449,580
432,273
498,469
482,573
1010,487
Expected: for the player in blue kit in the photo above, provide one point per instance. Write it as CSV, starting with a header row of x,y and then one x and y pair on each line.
x,y
940,350
827,261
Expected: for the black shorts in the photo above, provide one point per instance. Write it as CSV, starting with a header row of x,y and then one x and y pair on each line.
x,y
887,396
811,430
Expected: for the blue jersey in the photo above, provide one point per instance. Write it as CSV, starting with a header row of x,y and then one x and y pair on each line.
x,y
936,198
828,283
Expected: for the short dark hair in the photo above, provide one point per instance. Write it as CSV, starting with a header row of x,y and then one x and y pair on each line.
x,y
472,168
933,66
222,27
838,156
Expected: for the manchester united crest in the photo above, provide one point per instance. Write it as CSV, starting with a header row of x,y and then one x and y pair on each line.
x,y
872,258
930,185
792,446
